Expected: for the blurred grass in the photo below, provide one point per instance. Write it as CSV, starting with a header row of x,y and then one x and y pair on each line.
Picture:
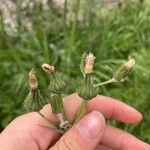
x,y
59,37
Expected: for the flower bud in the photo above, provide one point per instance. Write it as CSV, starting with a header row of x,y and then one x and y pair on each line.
x,y
87,91
82,63
124,70
57,83
48,68
32,80
89,62
34,101
86,64
56,104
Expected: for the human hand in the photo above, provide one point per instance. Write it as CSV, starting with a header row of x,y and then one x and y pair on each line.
x,y
24,133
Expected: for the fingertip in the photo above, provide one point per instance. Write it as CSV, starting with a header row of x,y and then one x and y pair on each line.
x,y
135,143
134,116
115,109
139,116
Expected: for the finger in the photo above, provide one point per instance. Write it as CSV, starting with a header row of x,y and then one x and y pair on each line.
x,y
28,123
114,109
26,129
101,147
109,107
118,139
84,135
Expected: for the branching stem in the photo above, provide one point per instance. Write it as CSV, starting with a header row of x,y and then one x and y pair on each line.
x,y
48,120
106,82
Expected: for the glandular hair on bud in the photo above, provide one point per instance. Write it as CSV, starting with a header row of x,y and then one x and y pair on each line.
x,y
124,70
57,83
34,101
89,62
87,91
33,80
56,104
48,68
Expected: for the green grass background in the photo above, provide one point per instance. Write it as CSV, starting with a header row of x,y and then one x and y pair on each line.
x,y
112,34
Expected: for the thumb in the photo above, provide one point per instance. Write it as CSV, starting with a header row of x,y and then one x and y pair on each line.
x,y
84,135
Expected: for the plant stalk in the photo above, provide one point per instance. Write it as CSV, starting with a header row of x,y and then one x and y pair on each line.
x,y
80,112
48,120
106,82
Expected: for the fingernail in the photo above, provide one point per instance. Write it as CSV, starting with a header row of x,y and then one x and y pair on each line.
x,y
91,126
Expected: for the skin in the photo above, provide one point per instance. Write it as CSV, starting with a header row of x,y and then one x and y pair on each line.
x,y
25,133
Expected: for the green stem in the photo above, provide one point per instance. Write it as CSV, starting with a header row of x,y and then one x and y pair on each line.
x,y
80,112
106,82
65,115
48,120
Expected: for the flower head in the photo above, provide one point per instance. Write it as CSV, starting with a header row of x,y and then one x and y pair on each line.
x,y
130,63
89,62
32,80
124,70
86,90
48,68
34,101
